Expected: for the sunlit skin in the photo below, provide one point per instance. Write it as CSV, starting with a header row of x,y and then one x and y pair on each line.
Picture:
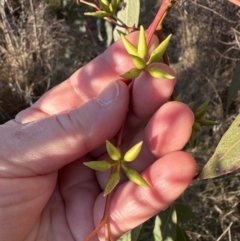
x,y
46,193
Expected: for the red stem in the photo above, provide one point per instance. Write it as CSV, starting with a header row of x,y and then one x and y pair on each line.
x,y
162,12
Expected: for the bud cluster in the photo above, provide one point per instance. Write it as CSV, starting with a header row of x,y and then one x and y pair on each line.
x,y
118,162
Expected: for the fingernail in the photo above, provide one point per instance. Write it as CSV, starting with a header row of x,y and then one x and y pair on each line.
x,y
109,94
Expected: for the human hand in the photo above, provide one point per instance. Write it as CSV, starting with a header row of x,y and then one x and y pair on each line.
x,y
46,193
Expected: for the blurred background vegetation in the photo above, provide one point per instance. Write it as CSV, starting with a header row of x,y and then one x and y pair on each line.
x,y
44,42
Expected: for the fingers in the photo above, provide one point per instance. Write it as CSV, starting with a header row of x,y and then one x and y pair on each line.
x,y
131,205
84,84
148,94
46,145
167,131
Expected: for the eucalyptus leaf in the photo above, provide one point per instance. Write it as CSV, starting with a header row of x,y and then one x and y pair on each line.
x,y
132,235
129,14
181,235
184,213
136,233
226,157
234,86
165,226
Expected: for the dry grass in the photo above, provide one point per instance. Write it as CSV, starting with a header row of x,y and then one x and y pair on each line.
x,y
37,51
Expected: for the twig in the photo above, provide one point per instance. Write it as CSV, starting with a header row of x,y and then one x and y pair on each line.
x,y
161,14
204,7
227,230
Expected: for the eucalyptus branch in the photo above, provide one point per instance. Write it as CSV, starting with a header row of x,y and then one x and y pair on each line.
x,y
138,55
89,4
160,16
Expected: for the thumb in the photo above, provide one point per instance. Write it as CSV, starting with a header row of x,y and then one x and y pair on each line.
x,y
46,145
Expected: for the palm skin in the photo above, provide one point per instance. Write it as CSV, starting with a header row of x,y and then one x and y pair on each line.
x,y
46,193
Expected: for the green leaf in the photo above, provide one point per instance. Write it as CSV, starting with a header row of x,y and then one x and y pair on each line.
x,y
129,15
134,176
99,165
181,235
165,225
132,153
184,212
226,157
131,74
132,235
157,54
112,182
234,86
142,44
158,73
113,151
136,233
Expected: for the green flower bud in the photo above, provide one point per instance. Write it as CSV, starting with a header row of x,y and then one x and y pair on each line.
x,y
111,8
98,14
179,97
131,49
200,114
134,176
158,73
115,4
113,151
101,166
197,126
131,74
142,44
190,104
112,182
206,122
132,153
104,4
203,106
138,62
157,54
